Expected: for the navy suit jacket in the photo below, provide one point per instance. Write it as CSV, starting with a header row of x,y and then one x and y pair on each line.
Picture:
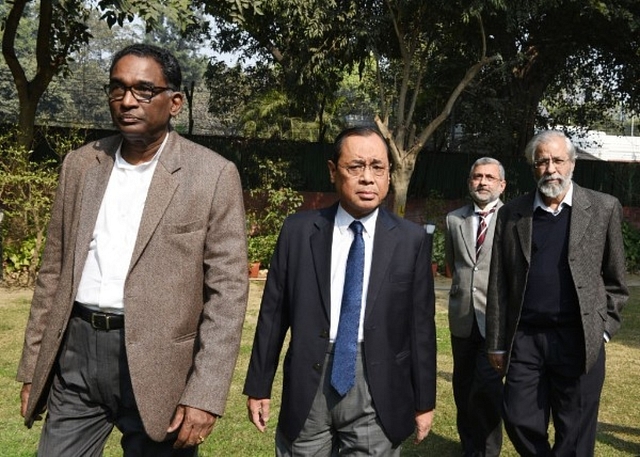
x,y
399,330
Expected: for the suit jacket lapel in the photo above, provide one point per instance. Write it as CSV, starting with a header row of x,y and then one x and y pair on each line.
x,y
321,241
384,243
524,225
163,185
580,218
467,233
93,188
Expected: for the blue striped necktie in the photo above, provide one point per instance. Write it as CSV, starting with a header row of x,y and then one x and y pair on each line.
x,y
343,373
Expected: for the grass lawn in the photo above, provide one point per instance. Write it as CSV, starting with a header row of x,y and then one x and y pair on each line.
x,y
619,426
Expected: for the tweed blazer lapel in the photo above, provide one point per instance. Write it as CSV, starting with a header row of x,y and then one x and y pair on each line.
x,y
580,219
93,188
163,185
384,244
524,224
321,241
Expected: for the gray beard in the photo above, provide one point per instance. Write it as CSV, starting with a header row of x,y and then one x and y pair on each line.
x,y
552,190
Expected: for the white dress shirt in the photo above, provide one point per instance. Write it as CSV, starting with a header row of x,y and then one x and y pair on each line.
x,y
487,218
566,201
115,233
342,239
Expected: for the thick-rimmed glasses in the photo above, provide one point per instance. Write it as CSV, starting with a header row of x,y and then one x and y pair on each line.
x,y
141,92
357,169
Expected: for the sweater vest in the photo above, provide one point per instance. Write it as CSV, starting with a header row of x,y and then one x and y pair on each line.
x,y
550,297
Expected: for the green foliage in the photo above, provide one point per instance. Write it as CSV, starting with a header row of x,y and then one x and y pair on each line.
x,y
545,82
27,190
153,13
631,246
61,31
260,248
273,200
18,261
312,42
437,250
435,213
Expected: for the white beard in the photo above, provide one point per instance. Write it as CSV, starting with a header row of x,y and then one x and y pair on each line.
x,y
553,190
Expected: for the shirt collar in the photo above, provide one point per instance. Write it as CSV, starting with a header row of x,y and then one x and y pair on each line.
x,y
344,220
487,208
566,201
124,165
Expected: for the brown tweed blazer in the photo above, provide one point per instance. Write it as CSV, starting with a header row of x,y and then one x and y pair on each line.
x,y
186,290
596,260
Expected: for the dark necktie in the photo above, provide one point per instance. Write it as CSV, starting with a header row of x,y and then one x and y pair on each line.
x,y
343,373
482,229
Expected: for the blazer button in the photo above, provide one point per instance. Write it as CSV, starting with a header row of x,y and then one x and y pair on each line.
x,y
317,366
324,333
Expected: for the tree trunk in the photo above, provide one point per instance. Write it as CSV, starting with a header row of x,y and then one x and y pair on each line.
x,y
27,121
400,179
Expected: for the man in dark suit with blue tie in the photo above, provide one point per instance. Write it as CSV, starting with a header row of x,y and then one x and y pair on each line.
x,y
353,285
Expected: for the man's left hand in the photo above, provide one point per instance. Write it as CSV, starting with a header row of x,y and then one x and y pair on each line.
x,y
424,419
194,424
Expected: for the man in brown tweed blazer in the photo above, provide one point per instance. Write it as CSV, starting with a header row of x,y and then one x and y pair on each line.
x,y
137,313
556,290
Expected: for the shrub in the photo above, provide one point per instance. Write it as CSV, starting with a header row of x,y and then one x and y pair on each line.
x,y
261,247
273,201
27,189
437,252
631,247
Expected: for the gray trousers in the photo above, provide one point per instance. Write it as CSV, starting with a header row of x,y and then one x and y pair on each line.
x,y
339,426
91,393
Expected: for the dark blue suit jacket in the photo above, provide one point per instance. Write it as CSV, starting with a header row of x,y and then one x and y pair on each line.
x,y
399,330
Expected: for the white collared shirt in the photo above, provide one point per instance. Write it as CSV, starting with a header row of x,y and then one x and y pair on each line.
x,y
115,233
566,201
487,218
342,238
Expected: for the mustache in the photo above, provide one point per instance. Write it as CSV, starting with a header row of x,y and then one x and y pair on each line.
x,y
554,189
553,177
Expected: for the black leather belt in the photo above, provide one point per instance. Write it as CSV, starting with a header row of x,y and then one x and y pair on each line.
x,y
98,320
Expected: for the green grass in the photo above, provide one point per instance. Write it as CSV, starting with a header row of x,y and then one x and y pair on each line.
x,y
619,421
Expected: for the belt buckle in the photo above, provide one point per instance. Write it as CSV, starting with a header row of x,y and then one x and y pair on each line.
x,y
100,321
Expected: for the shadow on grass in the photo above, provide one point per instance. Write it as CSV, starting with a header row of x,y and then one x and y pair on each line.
x,y
446,375
433,444
614,435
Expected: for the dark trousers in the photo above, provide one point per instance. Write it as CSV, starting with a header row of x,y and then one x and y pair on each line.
x,y
477,391
546,377
91,393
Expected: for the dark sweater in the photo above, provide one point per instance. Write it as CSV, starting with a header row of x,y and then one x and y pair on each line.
x,y
550,298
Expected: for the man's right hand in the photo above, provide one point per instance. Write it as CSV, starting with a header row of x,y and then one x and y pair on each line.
x,y
258,409
24,398
498,360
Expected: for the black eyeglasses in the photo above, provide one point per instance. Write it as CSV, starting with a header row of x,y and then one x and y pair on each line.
x,y
141,92
357,169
